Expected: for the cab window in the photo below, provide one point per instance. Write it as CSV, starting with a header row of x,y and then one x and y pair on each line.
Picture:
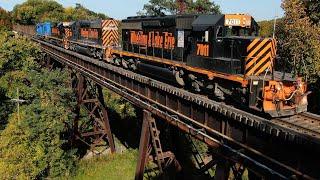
x,y
219,33
240,31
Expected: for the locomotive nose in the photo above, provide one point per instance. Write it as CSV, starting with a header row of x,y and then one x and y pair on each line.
x,y
261,53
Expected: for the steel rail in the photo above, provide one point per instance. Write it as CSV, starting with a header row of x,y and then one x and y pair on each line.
x,y
306,123
195,131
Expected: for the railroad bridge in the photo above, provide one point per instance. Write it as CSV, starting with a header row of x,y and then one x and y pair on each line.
x,y
279,149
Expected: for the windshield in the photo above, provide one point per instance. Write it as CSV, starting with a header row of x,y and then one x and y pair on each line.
x,y
241,31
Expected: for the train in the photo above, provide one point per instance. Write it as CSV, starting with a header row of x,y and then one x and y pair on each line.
x,y
217,55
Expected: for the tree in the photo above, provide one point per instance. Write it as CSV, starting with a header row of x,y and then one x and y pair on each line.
x,y
313,10
5,19
15,55
266,28
81,13
35,11
33,144
162,7
203,7
300,41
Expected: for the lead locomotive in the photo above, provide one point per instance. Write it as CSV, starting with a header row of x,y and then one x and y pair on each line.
x,y
216,55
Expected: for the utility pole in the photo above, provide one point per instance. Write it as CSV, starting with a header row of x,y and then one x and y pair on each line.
x,y
18,101
274,26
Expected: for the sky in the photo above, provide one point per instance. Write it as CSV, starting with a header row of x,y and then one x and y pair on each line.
x,y
120,9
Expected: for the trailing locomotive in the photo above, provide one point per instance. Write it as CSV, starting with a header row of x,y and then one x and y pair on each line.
x,y
216,55
86,37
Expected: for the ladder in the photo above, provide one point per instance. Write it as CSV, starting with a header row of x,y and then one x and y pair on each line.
x,y
195,153
156,143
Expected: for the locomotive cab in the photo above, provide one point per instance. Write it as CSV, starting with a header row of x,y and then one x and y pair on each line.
x,y
221,42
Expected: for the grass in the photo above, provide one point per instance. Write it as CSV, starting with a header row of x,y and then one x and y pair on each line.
x,y
112,167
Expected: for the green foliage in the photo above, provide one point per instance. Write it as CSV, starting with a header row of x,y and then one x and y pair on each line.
x,y
162,7
300,41
31,146
119,105
116,166
15,53
15,60
33,143
202,7
34,11
313,10
266,28
5,19
80,12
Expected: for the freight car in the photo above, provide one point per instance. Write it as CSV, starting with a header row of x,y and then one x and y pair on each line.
x,y
28,30
216,55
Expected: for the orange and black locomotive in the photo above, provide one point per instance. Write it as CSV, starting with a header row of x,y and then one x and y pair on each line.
x,y
216,55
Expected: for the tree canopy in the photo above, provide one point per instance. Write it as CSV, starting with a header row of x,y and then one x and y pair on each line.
x,y
5,18
80,12
266,28
299,40
32,140
313,11
34,11
163,7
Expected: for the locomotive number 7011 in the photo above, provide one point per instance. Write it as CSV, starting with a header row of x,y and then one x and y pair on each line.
x,y
233,22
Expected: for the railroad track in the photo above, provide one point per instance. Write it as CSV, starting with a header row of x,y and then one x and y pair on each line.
x,y
306,123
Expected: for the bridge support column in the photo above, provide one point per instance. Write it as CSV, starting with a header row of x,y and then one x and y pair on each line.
x,y
96,129
253,176
143,147
146,148
237,170
222,170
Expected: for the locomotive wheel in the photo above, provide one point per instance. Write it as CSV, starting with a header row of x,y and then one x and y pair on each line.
x,y
93,52
72,47
99,54
195,83
132,64
124,64
179,78
117,61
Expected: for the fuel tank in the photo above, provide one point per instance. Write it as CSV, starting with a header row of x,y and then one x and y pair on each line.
x,y
82,50
157,72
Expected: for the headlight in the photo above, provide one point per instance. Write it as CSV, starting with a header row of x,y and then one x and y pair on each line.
x,y
279,86
299,84
304,100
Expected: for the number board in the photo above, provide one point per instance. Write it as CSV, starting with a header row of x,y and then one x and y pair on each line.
x,y
241,20
232,22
